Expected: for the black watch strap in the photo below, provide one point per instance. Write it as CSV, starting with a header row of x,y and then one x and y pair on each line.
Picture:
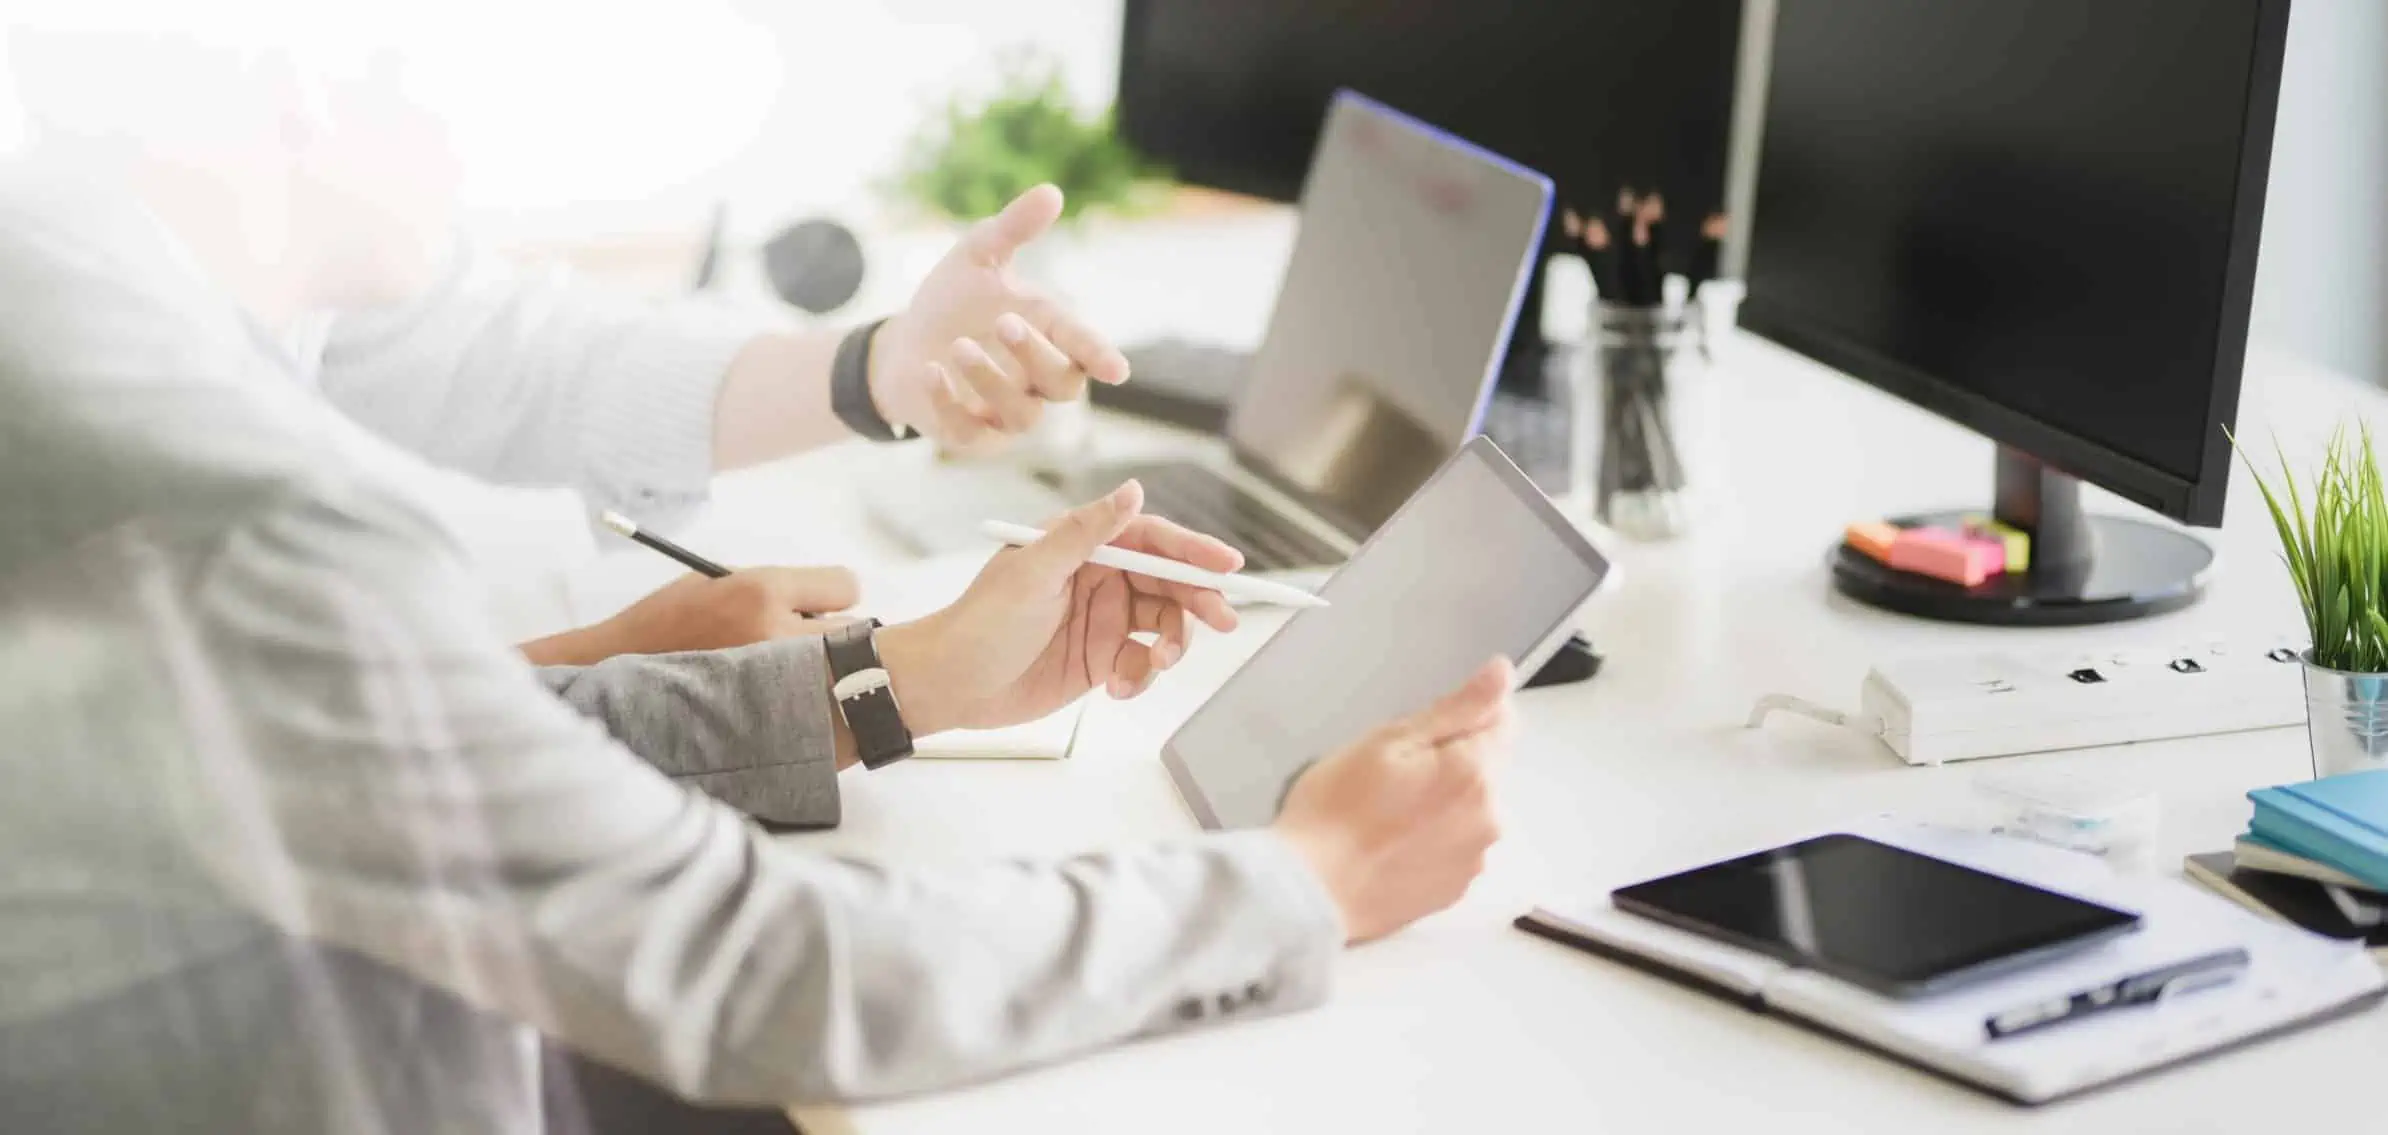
x,y
850,386
864,696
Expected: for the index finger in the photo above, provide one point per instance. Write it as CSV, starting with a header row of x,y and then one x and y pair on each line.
x,y
1170,540
1089,349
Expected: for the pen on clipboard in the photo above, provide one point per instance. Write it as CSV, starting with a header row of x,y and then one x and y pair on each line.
x,y
1242,587
2204,972
687,559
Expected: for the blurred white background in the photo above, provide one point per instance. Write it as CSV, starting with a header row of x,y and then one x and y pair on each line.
x,y
600,136
569,121
605,133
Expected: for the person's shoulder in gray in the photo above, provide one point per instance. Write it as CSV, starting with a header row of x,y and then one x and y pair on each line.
x,y
297,844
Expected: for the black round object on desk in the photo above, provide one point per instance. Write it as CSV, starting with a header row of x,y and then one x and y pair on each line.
x,y
816,265
2137,569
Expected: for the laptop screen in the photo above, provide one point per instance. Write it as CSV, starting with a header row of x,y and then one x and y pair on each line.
x,y
1394,312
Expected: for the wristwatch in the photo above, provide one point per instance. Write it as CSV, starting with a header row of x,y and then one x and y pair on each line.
x,y
850,386
864,697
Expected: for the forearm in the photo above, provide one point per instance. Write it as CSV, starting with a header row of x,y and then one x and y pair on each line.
x,y
428,804
751,726
527,383
580,646
774,400
1032,963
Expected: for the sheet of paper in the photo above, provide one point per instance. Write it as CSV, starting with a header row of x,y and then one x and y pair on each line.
x,y
1046,739
909,591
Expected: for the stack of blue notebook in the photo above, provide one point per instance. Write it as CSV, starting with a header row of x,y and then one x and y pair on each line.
x,y
2338,822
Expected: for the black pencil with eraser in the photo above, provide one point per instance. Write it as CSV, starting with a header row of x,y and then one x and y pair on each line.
x,y
687,559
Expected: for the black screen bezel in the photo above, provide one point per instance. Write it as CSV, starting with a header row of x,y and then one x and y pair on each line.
x,y
2191,500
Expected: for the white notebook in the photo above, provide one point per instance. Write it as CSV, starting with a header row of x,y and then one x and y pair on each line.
x,y
2294,978
1047,739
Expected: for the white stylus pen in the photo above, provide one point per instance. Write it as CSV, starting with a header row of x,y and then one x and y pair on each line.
x,y
1242,587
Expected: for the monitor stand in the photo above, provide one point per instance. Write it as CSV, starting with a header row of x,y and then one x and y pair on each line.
x,y
2084,569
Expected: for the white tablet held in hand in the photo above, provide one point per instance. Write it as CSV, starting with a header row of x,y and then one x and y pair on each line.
x,y
1478,563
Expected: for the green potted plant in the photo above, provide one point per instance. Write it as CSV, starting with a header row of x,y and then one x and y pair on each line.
x,y
977,154
2336,546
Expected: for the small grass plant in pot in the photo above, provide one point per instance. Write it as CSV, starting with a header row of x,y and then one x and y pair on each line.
x,y
2334,536
981,151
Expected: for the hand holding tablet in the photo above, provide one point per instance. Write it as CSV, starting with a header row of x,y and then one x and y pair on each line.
x,y
1478,563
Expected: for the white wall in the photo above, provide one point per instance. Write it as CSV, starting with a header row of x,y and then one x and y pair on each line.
x,y
2322,283
792,107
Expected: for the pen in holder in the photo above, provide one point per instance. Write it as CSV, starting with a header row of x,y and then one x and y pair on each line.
x,y
1627,456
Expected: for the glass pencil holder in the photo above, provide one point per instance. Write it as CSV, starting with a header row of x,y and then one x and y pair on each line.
x,y
1636,392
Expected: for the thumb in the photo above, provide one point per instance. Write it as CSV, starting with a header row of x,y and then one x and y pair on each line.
x,y
1475,706
1072,539
996,238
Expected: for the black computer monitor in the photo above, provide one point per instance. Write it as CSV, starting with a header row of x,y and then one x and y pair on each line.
x,y
1597,94
2038,218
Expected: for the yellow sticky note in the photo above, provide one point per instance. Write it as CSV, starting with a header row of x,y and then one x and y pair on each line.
x,y
2017,541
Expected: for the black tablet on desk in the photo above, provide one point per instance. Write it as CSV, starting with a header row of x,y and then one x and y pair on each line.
x,y
1877,916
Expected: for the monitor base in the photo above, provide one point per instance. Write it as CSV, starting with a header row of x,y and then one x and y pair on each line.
x,y
2135,569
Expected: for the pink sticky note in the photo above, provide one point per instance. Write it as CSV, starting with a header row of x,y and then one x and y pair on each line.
x,y
1993,547
1953,556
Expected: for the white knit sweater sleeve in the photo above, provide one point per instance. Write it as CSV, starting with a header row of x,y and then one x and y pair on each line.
x,y
538,383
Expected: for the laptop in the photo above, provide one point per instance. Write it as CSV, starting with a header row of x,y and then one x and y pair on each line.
x,y
1412,257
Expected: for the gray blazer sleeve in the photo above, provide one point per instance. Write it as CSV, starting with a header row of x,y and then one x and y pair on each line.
x,y
749,726
427,802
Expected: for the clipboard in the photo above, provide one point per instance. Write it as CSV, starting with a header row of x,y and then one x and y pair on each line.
x,y
2296,980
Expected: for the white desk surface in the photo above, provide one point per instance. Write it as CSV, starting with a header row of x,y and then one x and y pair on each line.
x,y
1462,1023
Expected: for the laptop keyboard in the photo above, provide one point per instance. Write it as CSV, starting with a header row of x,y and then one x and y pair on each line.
x,y
1199,499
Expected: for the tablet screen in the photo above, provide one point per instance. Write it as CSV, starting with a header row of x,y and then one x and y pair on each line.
x,y
1477,563
1882,917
